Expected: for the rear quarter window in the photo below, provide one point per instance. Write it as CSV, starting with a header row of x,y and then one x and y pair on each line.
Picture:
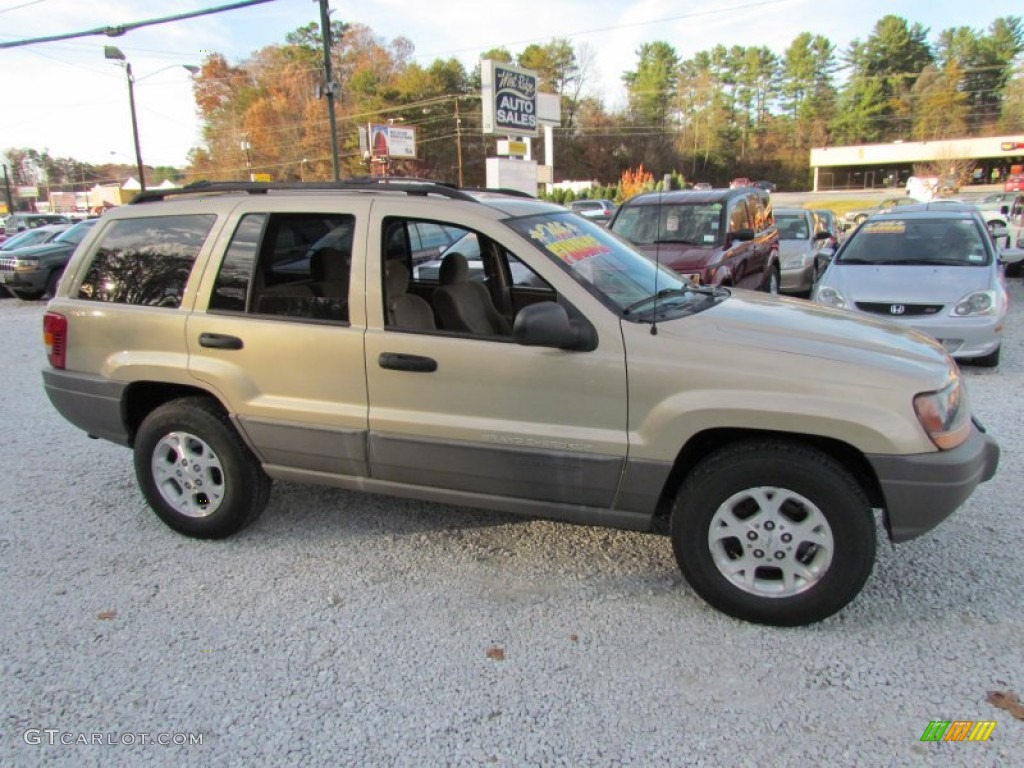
x,y
145,261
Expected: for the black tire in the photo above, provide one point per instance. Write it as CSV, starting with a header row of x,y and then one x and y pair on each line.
x,y
26,295
236,488
52,282
772,281
991,360
822,494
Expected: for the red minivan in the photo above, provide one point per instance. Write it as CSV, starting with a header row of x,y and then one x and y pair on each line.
x,y
713,237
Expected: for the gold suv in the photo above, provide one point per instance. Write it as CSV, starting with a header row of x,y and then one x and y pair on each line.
x,y
236,333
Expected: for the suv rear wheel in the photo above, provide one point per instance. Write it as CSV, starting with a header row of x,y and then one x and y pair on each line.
x,y
773,532
195,471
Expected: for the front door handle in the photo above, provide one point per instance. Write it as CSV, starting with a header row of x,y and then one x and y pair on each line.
x,y
219,341
396,361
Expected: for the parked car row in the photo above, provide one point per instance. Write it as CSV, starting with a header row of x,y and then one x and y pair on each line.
x,y
19,222
34,270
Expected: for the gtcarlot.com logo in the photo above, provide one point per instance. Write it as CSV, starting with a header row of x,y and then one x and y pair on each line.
x,y
958,730
55,736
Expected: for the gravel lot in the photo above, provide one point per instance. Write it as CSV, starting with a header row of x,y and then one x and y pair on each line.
x,y
344,629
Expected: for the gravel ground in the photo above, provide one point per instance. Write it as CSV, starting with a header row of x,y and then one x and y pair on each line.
x,y
345,629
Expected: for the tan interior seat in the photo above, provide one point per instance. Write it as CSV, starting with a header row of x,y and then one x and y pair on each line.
x,y
405,310
465,305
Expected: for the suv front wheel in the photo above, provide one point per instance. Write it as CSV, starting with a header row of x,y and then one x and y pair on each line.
x,y
195,471
773,532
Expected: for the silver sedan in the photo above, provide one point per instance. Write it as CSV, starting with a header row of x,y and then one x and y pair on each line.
x,y
932,268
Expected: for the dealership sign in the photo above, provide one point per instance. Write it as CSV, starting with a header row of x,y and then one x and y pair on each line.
x,y
509,99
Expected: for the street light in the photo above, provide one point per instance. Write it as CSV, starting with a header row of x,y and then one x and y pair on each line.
x,y
115,53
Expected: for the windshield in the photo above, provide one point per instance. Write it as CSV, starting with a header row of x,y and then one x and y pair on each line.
x,y
76,234
26,238
929,242
610,269
690,224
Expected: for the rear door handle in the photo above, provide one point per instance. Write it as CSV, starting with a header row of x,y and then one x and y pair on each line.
x,y
219,341
396,361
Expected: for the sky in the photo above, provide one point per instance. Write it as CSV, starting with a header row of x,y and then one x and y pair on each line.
x,y
65,98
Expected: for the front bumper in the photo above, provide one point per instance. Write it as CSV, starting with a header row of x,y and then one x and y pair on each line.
x,y
962,337
25,280
796,279
923,489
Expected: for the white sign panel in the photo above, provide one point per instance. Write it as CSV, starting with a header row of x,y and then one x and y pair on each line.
x,y
509,97
392,141
403,141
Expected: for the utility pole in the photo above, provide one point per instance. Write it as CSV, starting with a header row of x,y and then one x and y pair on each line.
x,y
325,30
7,189
458,138
247,148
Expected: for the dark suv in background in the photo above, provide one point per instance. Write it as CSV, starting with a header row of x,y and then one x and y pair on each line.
x,y
715,237
33,272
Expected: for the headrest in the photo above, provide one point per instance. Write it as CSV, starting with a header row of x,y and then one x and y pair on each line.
x,y
454,269
328,265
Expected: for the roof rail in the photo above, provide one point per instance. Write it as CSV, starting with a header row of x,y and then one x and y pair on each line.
x,y
409,185
501,191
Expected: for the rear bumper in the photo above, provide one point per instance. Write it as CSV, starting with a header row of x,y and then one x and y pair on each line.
x,y
90,403
921,490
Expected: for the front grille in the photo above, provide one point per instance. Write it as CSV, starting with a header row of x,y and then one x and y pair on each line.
x,y
6,265
895,309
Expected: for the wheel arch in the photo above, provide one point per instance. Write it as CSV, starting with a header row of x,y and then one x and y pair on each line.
x,y
142,397
710,440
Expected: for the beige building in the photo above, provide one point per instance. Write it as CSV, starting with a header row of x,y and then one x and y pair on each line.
x,y
871,166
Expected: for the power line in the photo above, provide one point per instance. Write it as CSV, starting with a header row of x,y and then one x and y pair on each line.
x,y
23,5
120,29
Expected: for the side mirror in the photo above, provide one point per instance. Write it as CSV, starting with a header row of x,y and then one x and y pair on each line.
x,y
547,324
1011,255
1004,209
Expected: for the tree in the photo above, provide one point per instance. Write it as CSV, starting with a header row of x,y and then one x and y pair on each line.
x,y
883,69
940,108
652,86
985,63
807,88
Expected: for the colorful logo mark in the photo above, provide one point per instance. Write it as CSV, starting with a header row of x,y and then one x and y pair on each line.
x,y
958,730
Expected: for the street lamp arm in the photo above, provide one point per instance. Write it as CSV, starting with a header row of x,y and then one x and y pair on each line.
x,y
192,68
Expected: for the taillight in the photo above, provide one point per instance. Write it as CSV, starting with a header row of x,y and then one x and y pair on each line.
x,y
55,336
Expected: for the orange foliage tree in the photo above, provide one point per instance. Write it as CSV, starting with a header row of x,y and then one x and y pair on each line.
x,y
633,182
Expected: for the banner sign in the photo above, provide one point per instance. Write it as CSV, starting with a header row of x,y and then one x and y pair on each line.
x,y
392,141
509,97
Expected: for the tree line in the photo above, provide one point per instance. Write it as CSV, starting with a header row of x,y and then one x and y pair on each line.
x,y
724,112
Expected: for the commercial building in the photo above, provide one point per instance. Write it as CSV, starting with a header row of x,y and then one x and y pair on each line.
x,y
872,166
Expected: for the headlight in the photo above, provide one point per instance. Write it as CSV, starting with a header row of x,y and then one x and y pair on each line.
x,y
795,261
22,265
831,297
976,303
944,414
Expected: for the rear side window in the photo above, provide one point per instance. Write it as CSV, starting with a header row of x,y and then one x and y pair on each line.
x,y
295,265
146,261
738,216
760,213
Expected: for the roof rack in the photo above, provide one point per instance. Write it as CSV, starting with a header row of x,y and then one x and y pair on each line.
x,y
409,185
